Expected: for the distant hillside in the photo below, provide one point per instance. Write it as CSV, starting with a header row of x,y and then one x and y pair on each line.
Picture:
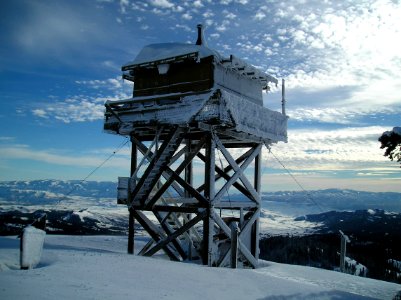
x,y
374,243
50,191
336,199
42,192
290,233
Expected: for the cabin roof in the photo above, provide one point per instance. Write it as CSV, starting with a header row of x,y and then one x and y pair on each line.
x,y
167,52
156,54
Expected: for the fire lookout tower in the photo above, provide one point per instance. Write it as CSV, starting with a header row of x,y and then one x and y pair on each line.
x,y
194,112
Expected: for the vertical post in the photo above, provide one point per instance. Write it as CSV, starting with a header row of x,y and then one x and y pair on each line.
x,y
257,186
258,172
188,169
189,179
208,230
344,241
283,97
234,245
131,220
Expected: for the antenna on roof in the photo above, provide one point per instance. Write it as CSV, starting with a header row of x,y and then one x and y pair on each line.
x,y
201,39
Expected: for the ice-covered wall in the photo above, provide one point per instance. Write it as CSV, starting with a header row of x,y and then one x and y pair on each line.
x,y
228,79
254,119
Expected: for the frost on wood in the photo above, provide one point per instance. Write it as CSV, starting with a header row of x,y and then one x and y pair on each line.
x,y
31,247
253,119
182,84
189,102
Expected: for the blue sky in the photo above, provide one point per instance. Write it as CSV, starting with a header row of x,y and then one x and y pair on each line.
x,y
60,60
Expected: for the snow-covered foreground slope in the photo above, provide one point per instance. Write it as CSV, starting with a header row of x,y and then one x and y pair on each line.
x,y
97,267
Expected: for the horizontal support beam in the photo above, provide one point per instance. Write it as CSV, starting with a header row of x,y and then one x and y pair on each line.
x,y
170,208
235,204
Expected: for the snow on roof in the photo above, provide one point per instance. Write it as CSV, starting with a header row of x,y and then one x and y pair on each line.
x,y
165,51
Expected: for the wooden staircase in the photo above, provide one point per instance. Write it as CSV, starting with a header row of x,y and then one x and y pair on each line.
x,y
157,165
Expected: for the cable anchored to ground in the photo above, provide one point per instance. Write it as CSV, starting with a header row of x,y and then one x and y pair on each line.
x,y
94,170
295,180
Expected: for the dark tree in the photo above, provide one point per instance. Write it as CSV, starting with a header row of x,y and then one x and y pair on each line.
x,y
391,140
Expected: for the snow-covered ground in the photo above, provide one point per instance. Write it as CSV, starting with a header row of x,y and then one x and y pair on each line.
x,y
97,267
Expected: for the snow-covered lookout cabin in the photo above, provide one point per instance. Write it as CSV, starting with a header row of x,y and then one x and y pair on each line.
x,y
197,125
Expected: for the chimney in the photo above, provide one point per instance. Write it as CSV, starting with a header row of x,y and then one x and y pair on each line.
x,y
201,39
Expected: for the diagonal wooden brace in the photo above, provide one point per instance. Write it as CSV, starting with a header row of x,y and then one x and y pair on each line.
x,y
164,242
153,232
178,171
239,172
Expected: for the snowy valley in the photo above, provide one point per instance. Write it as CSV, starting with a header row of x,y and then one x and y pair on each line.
x,y
86,242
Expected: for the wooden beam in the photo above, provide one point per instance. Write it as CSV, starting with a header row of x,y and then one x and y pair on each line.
x,y
189,168
210,180
234,245
171,208
224,174
244,250
153,232
238,172
148,153
131,219
168,172
235,204
227,168
178,171
167,228
164,242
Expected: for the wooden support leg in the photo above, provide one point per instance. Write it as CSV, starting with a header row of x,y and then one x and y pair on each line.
x,y
131,232
131,220
257,185
208,223
234,245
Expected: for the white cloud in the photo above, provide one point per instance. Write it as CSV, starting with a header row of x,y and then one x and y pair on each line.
x,y
178,9
353,148
209,22
208,14
61,158
123,5
259,16
186,16
40,113
351,46
268,52
161,3
197,3
6,138
110,83
83,108
229,15
215,35
184,27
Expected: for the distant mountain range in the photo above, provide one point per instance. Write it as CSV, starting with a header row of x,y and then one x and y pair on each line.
x,y
46,192
296,227
90,207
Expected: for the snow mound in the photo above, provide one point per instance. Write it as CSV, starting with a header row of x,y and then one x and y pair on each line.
x,y
32,245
